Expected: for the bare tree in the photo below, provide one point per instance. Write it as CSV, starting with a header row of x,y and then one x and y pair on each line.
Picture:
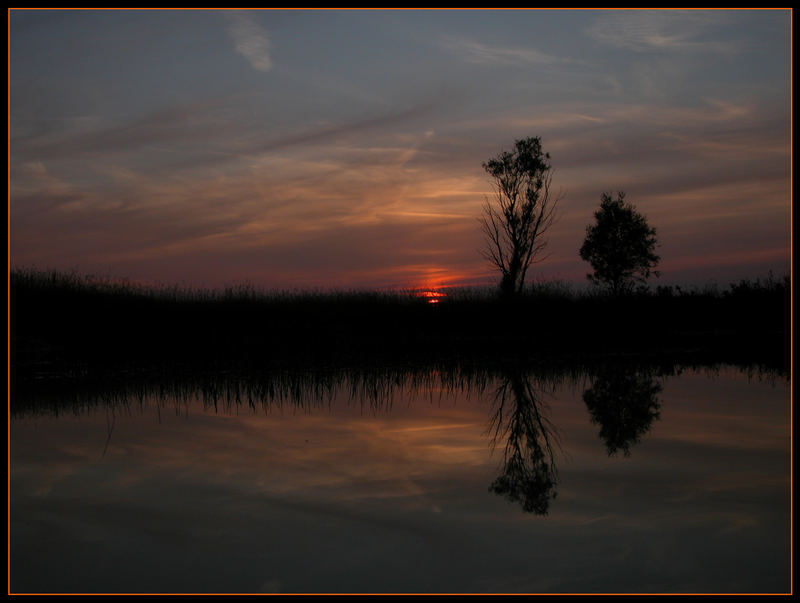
x,y
523,209
529,470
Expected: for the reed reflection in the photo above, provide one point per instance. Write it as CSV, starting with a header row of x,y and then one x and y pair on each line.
x,y
518,422
624,403
622,400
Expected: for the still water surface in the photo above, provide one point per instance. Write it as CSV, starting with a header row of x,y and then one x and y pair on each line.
x,y
621,482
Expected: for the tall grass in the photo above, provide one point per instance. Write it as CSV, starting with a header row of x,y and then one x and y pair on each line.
x,y
68,322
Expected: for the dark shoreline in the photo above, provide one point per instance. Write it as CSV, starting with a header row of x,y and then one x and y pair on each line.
x,y
64,327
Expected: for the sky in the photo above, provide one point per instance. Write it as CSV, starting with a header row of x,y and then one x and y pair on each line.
x,y
344,149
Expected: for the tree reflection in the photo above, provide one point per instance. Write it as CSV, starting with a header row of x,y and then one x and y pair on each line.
x,y
529,472
624,404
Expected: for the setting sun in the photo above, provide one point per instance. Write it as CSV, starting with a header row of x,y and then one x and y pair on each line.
x,y
432,296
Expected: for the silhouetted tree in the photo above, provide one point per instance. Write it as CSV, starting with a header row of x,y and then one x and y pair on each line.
x,y
529,472
624,404
620,246
522,211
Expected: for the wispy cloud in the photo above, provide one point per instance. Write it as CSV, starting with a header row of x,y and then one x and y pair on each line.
x,y
250,39
350,205
652,30
483,54
198,136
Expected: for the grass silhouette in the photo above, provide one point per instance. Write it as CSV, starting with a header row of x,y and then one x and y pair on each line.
x,y
69,324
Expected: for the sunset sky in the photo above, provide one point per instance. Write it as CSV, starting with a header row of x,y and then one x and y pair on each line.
x,y
344,148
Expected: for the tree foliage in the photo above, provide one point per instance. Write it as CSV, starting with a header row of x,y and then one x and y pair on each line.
x,y
516,220
620,246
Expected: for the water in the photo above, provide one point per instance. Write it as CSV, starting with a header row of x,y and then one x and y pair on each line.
x,y
620,481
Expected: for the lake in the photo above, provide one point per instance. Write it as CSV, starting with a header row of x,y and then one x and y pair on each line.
x,y
507,481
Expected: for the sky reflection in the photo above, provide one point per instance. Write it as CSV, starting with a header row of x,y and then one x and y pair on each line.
x,y
346,498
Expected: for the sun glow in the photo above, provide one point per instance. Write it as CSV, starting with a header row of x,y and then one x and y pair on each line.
x,y
431,295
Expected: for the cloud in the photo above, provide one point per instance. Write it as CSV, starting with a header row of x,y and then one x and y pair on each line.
x,y
647,31
341,210
483,54
191,124
328,133
199,136
381,201
250,39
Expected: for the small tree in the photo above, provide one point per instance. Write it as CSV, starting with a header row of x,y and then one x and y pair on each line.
x,y
522,211
620,246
